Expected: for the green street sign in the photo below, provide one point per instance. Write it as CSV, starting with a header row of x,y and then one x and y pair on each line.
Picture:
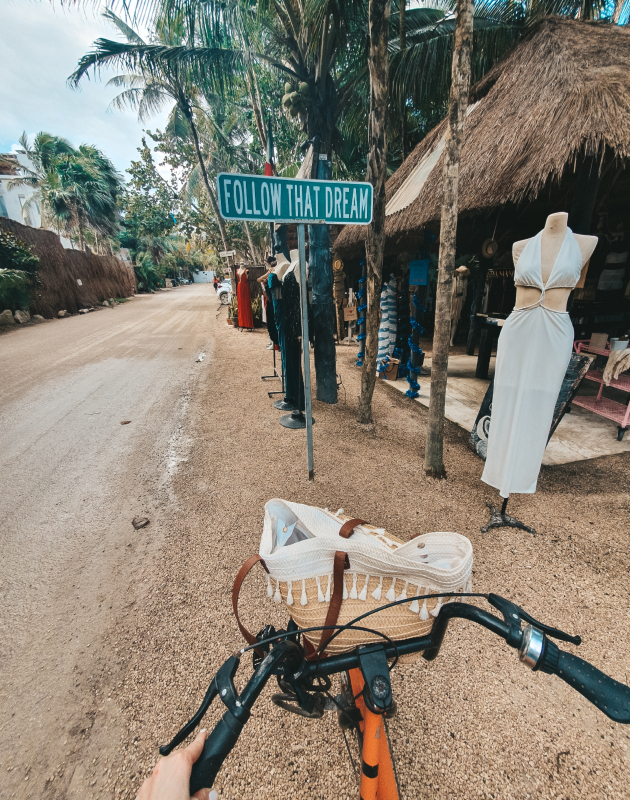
x,y
260,198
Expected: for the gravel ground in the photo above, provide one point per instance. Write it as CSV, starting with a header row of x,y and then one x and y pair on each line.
x,y
473,723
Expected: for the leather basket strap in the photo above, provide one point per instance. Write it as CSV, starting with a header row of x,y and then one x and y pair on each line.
x,y
236,589
349,526
340,564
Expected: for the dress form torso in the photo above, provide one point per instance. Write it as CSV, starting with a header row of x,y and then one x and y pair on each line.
x,y
553,236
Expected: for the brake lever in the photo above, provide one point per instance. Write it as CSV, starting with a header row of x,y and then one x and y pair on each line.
x,y
513,614
222,684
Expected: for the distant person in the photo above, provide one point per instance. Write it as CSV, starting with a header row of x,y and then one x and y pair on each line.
x,y
215,283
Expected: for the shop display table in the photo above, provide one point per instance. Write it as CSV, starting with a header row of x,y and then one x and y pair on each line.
x,y
611,409
490,328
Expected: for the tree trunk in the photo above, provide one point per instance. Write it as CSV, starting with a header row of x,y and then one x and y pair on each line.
x,y
619,4
202,167
376,175
253,250
323,307
402,35
80,226
458,103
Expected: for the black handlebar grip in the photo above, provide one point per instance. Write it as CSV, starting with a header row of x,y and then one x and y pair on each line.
x,y
216,749
610,696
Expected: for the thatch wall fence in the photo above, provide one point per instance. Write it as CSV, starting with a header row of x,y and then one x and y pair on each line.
x,y
60,271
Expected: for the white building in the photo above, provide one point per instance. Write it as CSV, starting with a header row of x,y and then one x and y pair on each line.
x,y
13,201
205,276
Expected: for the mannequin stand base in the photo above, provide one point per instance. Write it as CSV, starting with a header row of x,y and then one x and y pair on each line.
x,y
285,405
499,519
295,420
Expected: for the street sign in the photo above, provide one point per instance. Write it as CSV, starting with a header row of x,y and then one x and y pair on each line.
x,y
227,253
261,198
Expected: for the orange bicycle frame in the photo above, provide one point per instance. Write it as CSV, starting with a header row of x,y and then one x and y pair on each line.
x,y
378,781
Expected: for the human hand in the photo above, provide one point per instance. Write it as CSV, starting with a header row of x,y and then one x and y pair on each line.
x,y
170,779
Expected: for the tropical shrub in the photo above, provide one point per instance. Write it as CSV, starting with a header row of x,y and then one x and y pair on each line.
x,y
18,272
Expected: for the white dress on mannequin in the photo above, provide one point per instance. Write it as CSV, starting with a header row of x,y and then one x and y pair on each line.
x,y
532,357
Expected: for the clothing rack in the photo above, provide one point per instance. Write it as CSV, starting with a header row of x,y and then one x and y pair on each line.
x,y
275,374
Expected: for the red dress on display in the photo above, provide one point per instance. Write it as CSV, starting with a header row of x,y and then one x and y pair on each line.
x,y
245,316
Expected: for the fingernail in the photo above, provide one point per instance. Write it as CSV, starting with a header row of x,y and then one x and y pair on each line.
x,y
203,730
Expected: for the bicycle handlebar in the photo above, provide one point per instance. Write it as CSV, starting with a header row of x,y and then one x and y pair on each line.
x,y
610,696
536,650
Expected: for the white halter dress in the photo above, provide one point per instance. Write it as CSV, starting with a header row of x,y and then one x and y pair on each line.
x,y
532,358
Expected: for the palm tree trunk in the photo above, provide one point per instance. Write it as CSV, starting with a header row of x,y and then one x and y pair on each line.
x,y
376,175
619,4
253,250
213,200
458,103
402,36
80,226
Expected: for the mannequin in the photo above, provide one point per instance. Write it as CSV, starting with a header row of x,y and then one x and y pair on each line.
x,y
271,321
293,332
283,317
460,288
552,237
534,350
245,316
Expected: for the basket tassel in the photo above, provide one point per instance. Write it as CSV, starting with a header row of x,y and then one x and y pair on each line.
x,y
327,598
415,606
376,594
436,610
353,591
320,594
304,598
424,611
363,595
277,598
468,587
290,595
391,594
403,594
269,587
345,591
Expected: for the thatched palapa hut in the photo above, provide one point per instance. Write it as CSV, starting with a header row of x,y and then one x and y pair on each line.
x,y
559,100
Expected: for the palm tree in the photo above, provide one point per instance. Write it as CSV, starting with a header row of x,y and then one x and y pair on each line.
x,y
377,174
76,188
151,82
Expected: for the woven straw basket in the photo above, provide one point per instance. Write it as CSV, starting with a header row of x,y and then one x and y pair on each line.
x,y
298,547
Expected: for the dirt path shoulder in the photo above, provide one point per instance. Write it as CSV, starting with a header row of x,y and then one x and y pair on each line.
x,y
474,723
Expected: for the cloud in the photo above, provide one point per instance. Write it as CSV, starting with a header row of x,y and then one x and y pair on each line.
x,y
40,46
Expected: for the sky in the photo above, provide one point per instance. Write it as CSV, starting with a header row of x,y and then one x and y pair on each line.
x,y
40,46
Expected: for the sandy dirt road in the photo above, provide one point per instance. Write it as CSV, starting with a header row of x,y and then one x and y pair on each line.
x,y
73,477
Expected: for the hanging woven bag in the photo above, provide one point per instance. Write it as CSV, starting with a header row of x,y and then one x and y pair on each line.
x,y
328,569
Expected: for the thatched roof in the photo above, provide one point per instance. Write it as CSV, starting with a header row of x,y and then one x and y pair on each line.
x,y
564,87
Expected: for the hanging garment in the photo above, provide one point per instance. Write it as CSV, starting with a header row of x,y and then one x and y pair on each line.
x,y
271,319
458,298
293,340
389,320
532,357
245,316
274,289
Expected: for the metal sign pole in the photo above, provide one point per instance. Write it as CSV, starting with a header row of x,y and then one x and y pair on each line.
x,y
305,349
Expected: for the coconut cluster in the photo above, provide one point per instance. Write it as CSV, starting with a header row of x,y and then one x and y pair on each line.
x,y
295,101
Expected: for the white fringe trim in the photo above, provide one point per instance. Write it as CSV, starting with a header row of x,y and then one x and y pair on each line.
x,y
377,594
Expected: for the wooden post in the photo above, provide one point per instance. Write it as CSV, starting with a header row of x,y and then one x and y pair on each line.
x,y
458,103
376,175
